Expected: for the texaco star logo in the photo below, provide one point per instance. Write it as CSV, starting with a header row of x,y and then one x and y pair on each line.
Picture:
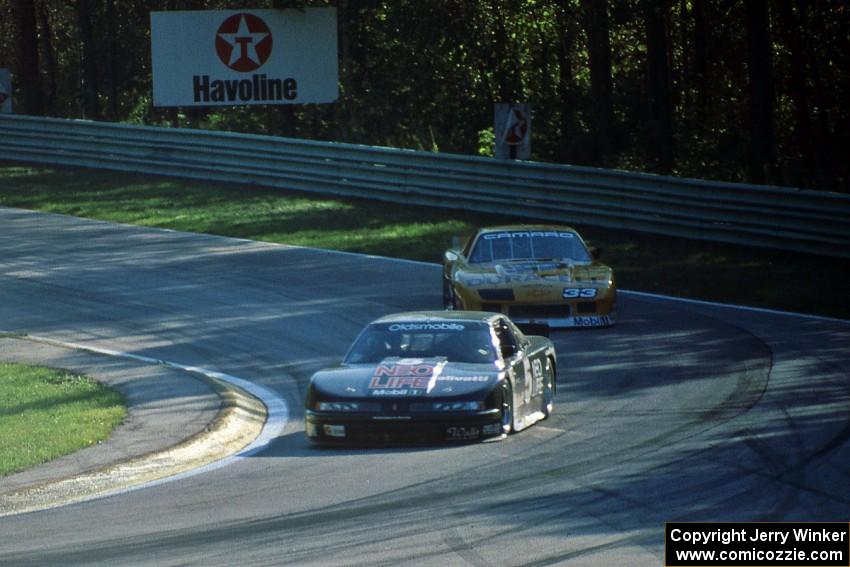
x,y
243,42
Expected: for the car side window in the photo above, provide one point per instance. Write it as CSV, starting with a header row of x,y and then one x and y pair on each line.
x,y
506,337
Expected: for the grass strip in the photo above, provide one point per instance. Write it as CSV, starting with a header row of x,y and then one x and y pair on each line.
x,y
47,413
775,279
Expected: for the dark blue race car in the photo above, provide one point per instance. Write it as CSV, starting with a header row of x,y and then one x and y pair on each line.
x,y
433,376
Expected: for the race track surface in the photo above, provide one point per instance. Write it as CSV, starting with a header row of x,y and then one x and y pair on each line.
x,y
681,412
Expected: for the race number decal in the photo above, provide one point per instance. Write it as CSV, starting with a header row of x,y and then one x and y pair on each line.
x,y
579,292
537,374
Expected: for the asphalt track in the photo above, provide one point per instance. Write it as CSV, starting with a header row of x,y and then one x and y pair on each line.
x,y
683,411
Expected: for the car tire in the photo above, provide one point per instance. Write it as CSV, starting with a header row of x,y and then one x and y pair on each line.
x,y
507,408
549,388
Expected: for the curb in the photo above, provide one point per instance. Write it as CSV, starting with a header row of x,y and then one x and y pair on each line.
x,y
239,427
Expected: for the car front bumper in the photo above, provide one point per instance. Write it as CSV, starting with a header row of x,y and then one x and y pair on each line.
x,y
552,311
342,427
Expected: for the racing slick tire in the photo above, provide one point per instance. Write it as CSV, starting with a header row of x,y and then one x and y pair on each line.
x,y
549,387
507,408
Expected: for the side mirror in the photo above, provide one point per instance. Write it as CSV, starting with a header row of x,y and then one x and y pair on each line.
x,y
595,252
508,351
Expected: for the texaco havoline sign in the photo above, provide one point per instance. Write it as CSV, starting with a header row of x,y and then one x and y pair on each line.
x,y
215,58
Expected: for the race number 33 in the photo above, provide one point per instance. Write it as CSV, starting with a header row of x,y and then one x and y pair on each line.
x,y
579,292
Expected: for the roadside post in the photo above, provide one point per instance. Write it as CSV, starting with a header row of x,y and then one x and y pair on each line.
x,y
5,91
512,129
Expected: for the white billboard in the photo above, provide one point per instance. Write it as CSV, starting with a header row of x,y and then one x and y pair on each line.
x,y
237,57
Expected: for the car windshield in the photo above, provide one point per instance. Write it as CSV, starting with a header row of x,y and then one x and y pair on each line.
x,y
457,341
528,245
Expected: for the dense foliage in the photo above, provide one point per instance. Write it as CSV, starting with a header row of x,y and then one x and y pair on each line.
x,y
743,90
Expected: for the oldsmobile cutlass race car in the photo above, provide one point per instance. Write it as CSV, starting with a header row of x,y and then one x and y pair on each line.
x,y
532,273
431,377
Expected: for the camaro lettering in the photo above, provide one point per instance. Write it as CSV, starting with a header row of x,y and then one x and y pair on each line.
x,y
528,234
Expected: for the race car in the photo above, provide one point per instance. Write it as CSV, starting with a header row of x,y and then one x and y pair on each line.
x,y
433,376
542,274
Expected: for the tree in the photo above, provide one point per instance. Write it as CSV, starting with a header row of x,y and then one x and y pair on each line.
x,y
27,68
761,101
660,128
595,14
635,84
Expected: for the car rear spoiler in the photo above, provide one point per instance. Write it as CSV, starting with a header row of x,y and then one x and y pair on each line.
x,y
541,329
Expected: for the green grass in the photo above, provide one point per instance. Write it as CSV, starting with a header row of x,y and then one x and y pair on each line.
x,y
675,266
46,413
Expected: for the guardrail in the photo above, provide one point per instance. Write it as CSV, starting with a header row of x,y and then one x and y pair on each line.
x,y
776,217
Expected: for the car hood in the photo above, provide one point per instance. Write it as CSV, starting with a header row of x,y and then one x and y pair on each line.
x,y
399,377
533,271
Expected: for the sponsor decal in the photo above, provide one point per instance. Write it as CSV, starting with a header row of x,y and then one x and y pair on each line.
x,y
591,321
492,429
537,376
244,57
258,88
579,292
463,379
243,42
461,433
395,327
397,392
406,375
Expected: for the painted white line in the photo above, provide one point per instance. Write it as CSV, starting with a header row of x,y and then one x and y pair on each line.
x,y
733,306
422,263
624,291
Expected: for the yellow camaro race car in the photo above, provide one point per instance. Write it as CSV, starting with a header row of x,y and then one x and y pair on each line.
x,y
532,273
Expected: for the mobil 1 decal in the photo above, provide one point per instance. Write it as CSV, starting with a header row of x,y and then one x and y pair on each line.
x,y
215,58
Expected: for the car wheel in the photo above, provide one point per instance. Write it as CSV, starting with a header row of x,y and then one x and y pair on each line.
x,y
549,386
507,408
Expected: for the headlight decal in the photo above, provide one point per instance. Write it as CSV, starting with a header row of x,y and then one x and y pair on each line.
x,y
462,405
345,406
